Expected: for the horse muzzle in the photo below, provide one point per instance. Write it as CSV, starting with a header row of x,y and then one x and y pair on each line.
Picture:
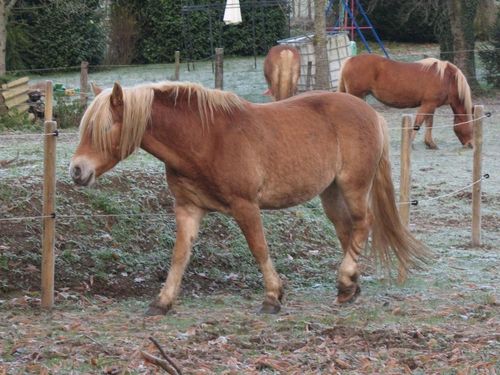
x,y
81,175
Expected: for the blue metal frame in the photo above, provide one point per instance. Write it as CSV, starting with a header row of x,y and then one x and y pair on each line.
x,y
365,16
358,30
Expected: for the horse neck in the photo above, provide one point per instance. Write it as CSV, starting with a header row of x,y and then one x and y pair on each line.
x,y
177,135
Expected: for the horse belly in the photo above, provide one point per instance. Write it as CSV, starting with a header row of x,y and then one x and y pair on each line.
x,y
292,186
397,98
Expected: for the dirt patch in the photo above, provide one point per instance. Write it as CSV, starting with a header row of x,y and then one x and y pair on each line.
x,y
223,334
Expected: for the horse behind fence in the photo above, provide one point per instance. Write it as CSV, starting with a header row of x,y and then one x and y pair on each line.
x,y
282,71
427,84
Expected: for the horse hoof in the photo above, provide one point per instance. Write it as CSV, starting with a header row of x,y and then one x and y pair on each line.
x,y
270,306
431,146
348,294
156,309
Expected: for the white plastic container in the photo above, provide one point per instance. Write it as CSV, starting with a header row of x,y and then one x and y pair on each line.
x,y
338,48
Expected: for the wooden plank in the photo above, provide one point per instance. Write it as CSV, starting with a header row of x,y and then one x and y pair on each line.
x,y
15,101
22,107
10,93
15,83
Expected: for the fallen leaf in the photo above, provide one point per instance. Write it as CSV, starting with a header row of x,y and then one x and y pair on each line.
x,y
396,311
342,364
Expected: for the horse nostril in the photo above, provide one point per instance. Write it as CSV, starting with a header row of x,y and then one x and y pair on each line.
x,y
76,172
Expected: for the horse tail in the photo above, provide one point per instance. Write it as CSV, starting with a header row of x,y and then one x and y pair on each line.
x,y
342,87
389,234
463,89
287,76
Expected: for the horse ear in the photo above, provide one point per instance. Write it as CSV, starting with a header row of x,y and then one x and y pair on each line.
x,y
117,95
95,89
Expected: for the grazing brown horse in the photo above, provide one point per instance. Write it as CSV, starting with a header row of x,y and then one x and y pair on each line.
x,y
225,154
428,84
282,71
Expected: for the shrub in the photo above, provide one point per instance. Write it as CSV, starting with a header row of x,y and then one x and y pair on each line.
x,y
18,42
14,120
400,21
61,33
164,28
68,111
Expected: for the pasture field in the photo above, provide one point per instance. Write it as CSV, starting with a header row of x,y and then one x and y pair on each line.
x,y
444,320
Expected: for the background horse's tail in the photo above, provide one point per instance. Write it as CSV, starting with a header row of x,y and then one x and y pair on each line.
x,y
288,75
389,234
464,93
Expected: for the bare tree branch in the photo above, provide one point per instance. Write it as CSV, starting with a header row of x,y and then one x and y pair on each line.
x,y
159,362
9,4
5,163
164,355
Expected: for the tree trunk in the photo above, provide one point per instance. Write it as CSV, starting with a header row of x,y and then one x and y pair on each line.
x,y
3,35
322,80
461,15
442,30
5,7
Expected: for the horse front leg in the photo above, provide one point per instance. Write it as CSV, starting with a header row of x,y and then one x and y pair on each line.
x,y
188,218
428,140
247,215
426,113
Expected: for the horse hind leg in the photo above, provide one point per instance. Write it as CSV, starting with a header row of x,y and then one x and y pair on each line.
x,y
349,214
188,220
247,215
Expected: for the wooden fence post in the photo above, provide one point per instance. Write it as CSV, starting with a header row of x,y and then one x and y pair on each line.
x,y
309,75
84,83
177,56
219,68
49,91
49,192
405,175
477,175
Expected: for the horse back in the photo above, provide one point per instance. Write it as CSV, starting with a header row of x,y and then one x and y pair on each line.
x,y
299,146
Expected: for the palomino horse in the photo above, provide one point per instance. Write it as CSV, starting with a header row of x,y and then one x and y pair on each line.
x,y
225,154
282,71
428,84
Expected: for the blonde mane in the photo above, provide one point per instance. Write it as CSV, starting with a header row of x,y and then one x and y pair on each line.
x,y
137,103
439,64
463,88
464,93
